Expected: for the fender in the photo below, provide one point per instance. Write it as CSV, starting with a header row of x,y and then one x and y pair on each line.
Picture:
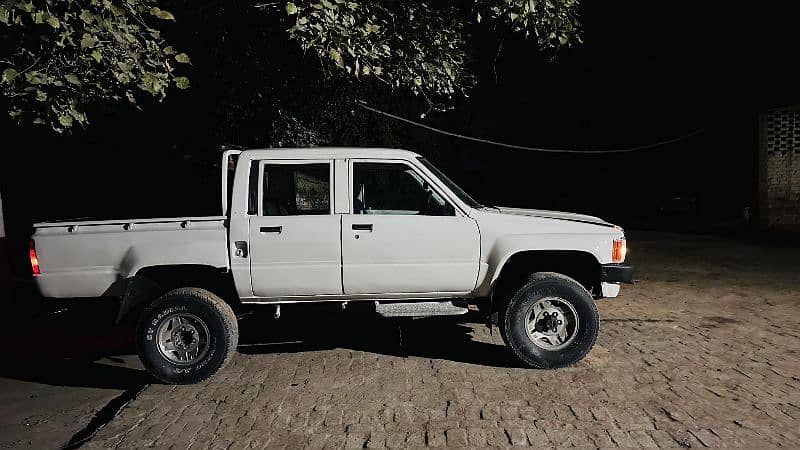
x,y
507,246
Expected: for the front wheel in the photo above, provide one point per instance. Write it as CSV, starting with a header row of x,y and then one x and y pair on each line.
x,y
551,322
186,336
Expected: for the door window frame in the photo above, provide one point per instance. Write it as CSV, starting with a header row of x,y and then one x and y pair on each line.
x,y
296,162
431,182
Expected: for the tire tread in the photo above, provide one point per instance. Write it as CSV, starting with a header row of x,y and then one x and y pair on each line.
x,y
507,312
216,303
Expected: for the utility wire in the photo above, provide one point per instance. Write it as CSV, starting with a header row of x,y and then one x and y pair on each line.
x,y
364,105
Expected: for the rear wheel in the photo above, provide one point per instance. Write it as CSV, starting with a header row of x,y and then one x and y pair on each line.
x,y
186,336
551,322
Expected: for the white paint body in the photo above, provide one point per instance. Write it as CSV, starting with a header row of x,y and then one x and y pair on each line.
x,y
320,257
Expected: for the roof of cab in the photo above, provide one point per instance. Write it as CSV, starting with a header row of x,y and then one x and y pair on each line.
x,y
330,152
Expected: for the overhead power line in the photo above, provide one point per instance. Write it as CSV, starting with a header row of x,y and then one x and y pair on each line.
x,y
364,105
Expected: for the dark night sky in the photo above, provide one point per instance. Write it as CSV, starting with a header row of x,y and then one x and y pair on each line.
x,y
648,71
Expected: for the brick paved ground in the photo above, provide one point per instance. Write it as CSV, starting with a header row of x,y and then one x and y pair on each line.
x,y
703,352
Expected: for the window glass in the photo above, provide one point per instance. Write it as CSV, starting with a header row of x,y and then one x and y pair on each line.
x,y
296,189
395,188
462,194
252,191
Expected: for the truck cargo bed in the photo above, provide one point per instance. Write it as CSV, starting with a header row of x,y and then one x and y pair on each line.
x,y
84,258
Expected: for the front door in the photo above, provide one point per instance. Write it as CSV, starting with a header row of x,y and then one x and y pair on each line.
x,y
403,237
295,239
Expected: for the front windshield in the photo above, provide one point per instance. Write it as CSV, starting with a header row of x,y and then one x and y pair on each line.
x,y
460,193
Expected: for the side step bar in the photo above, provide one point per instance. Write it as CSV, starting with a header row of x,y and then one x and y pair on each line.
x,y
419,309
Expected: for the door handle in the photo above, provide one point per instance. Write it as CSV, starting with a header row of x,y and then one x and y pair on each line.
x,y
362,226
278,229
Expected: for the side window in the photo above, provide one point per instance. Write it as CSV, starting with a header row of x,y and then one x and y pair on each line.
x,y
395,188
296,189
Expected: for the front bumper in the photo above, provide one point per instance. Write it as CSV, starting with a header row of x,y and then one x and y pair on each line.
x,y
616,273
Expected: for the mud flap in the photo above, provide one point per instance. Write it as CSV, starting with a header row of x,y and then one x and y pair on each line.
x,y
139,290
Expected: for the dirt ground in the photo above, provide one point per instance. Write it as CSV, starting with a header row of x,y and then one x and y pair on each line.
x,y
702,352
61,368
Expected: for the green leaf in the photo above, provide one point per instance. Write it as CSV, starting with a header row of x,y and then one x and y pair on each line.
x,y
88,41
73,79
41,95
27,7
182,58
97,56
336,56
77,115
116,10
34,77
65,120
3,15
182,82
161,14
168,50
291,8
9,75
53,22
86,16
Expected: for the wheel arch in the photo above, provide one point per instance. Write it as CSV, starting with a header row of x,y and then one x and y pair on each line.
x,y
580,265
150,282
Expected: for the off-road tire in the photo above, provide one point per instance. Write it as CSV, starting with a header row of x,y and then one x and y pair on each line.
x,y
513,321
223,331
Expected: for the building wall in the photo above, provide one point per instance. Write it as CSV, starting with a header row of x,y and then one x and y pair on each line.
x,y
779,184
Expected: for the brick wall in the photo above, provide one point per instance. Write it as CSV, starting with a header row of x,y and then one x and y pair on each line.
x,y
779,156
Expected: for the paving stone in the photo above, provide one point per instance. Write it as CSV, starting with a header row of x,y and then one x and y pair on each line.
x,y
683,358
456,437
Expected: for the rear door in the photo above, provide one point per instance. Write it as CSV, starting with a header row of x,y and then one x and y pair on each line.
x,y
295,239
403,237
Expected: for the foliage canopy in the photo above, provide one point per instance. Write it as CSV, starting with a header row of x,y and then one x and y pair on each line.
x,y
68,54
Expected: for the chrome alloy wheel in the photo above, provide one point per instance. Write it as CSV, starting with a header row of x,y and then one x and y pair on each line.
x,y
552,323
183,338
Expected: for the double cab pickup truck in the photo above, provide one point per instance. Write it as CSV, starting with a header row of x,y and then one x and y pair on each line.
x,y
338,225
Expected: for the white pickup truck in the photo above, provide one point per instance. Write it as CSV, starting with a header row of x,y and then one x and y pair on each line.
x,y
338,225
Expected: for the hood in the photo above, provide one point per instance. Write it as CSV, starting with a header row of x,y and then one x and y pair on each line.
x,y
572,217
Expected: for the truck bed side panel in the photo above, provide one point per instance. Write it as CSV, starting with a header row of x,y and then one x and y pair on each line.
x,y
87,259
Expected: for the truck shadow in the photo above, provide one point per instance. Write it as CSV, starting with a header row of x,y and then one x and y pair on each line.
x,y
74,344
77,343
448,338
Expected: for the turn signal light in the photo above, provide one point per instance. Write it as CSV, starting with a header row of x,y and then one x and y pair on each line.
x,y
34,259
618,251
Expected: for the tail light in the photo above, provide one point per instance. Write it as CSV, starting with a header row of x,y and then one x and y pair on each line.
x,y
618,251
34,259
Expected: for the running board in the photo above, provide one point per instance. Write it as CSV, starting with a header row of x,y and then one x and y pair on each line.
x,y
419,309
